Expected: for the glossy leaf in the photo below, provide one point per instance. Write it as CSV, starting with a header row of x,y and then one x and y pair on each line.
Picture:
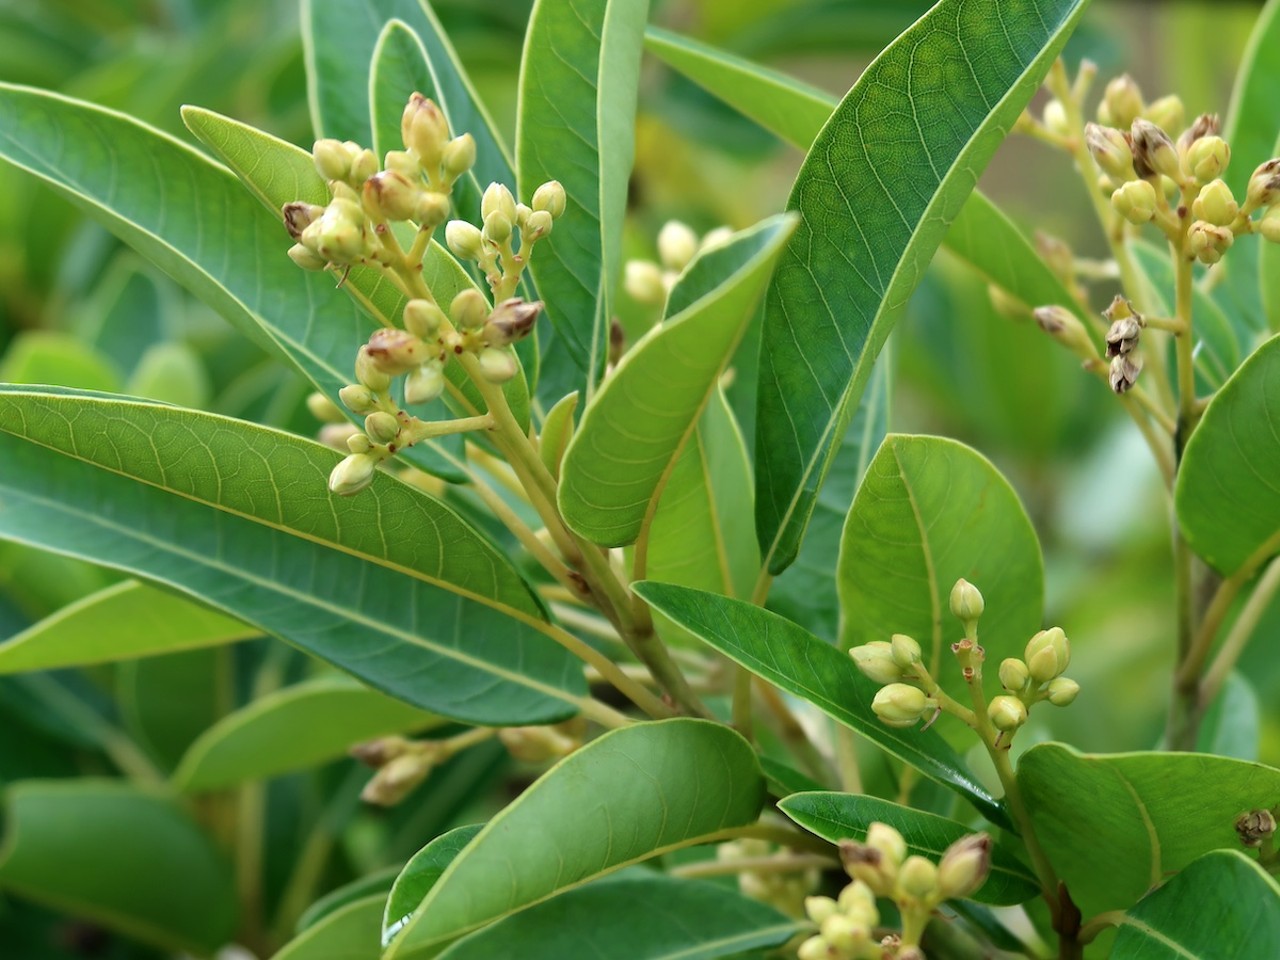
x,y
127,858
1115,825
295,728
1222,905
124,621
239,515
792,658
632,794
1232,724
420,874
846,816
576,124
634,429
348,933
932,108
929,511
166,702
557,431
636,916
1226,495
1253,119
378,882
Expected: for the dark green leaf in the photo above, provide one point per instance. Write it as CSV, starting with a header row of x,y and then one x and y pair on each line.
x,y
420,874
166,702
348,933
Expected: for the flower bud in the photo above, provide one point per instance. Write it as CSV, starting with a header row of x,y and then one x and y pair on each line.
x,y
424,384
396,351
424,130
900,705
497,365
1203,126
459,156
338,235
352,474
1153,151
298,216
1047,654
469,309
818,909
677,245
403,163
397,779
537,225
642,279
844,934
906,652
464,239
1135,201
1062,691
537,744
1215,204
390,196
333,159
882,837
858,902
876,661
324,409
966,602
368,373
1110,150
1061,324
549,197
1123,336
918,878
1264,186
716,237
358,398
1206,158
1123,100
1255,826
510,321
306,258
498,199
815,948
1013,674
380,752
1207,243
363,166
338,436
1269,225
964,866
497,227
1123,373
357,442
1006,713
1167,113
1055,118
423,318
868,865
432,209
381,427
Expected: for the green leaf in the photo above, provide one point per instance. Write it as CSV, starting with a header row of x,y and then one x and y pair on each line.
x,y
1116,825
124,621
1253,119
1222,905
295,728
576,124
636,916
929,511
398,69
378,882
348,933
792,658
846,816
420,874
51,356
931,109
166,702
557,431
172,372
630,795
240,516
633,431
1226,495
127,858
1232,726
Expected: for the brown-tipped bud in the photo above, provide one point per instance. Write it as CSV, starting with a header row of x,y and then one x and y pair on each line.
x,y
390,196
869,865
1153,150
396,351
324,409
298,216
352,474
1135,201
333,158
1215,204
464,239
358,398
1206,158
459,156
900,705
1167,113
875,660
550,197
1063,325
882,837
1207,243
1123,336
1255,826
1006,713
642,279
1111,151
497,227
1205,125
397,779
424,130
498,199
677,245
497,365
1264,186
1062,691
368,373
432,210
918,879
423,319
469,309
1048,654
380,752
424,384
1123,373
906,652
1123,100
537,225
1013,674
964,866
510,321
381,427
1269,225
306,258
966,602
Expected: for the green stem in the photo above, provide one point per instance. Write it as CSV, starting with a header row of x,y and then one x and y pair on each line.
x,y
1239,634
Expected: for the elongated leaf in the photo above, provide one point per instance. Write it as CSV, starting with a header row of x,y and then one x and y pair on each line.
x,y
931,110
121,622
378,882
1116,825
930,511
634,430
166,702
420,874
129,859
636,916
576,124
792,658
1253,119
628,796
846,816
1222,905
51,356
1232,725
293,729
1227,494
348,933
419,606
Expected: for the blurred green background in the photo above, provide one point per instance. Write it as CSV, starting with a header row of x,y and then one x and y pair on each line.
x,y
78,308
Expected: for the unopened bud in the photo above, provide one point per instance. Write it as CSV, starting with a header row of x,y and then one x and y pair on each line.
x,y
423,318
1062,691
538,224
1269,225
906,652
298,216
1110,150
550,197
333,159
1013,674
858,901
1207,243
380,752
363,166
424,130
1055,118
815,948
966,602
306,258
677,245
324,409
390,196
1123,373
536,744
352,474
510,321
459,156
432,209
876,661
1206,158
358,398
424,384
1061,324
1153,151
1204,125
396,351
497,227
357,442
469,309
403,163
498,199
1006,713
1047,655
1123,336
1255,826
1135,201
1006,304
844,934
1264,186
464,239
339,435
381,427
642,279
369,374
964,866
818,909
497,365
1166,113
882,837
1215,204
918,878
1123,99
338,235
397,779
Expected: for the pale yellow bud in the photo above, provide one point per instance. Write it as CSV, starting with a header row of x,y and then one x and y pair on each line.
x,y
642,279
1013,674
677,245
396,351
352,474
966,602
333,159
1110,150
1207,243
906,652
498,199
358,398
843,933
423,318
1264,186
432,209
306,258
858,902
882,837
469,309
1062,691
876,661
1047,654
497,365
1055,118
1206,158
551,198
459,156
1215,204
424,384
1006,713
368,372
964,866
1269,225
381,427
900,705
324,409
819,908
918,878
391,196
1166,113
1135,201
1124,100
464,239
497,227
538,224
424,130
815,948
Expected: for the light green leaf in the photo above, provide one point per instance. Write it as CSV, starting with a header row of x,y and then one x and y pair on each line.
x,y
792,658
124,621
348,933
240,516
636,916
932,109
630,795
1222,905
398,69
1115,825
633,431
1232,725
378,882
420,874
846,816
557,431
929,511
51,356
1253,119
292,729
576,124
129,859
1228,496
173,373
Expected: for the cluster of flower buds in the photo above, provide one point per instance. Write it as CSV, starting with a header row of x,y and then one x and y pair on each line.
x,y
1035,677
400,764
649,283
784,890
502,244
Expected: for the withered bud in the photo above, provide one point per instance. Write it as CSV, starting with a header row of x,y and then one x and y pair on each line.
x,y
510,321
1153,150
378,753
1063,325
1124,372
1255,826
1205,125
391,196
1111,151
1120,308
869,865
394,351
1123,336
1264,186
298,216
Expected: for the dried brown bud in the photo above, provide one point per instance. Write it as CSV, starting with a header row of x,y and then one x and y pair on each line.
x,y
298,216
510,321
1153,151
1123,336
1205,125
1255,826
1124,372
394,351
